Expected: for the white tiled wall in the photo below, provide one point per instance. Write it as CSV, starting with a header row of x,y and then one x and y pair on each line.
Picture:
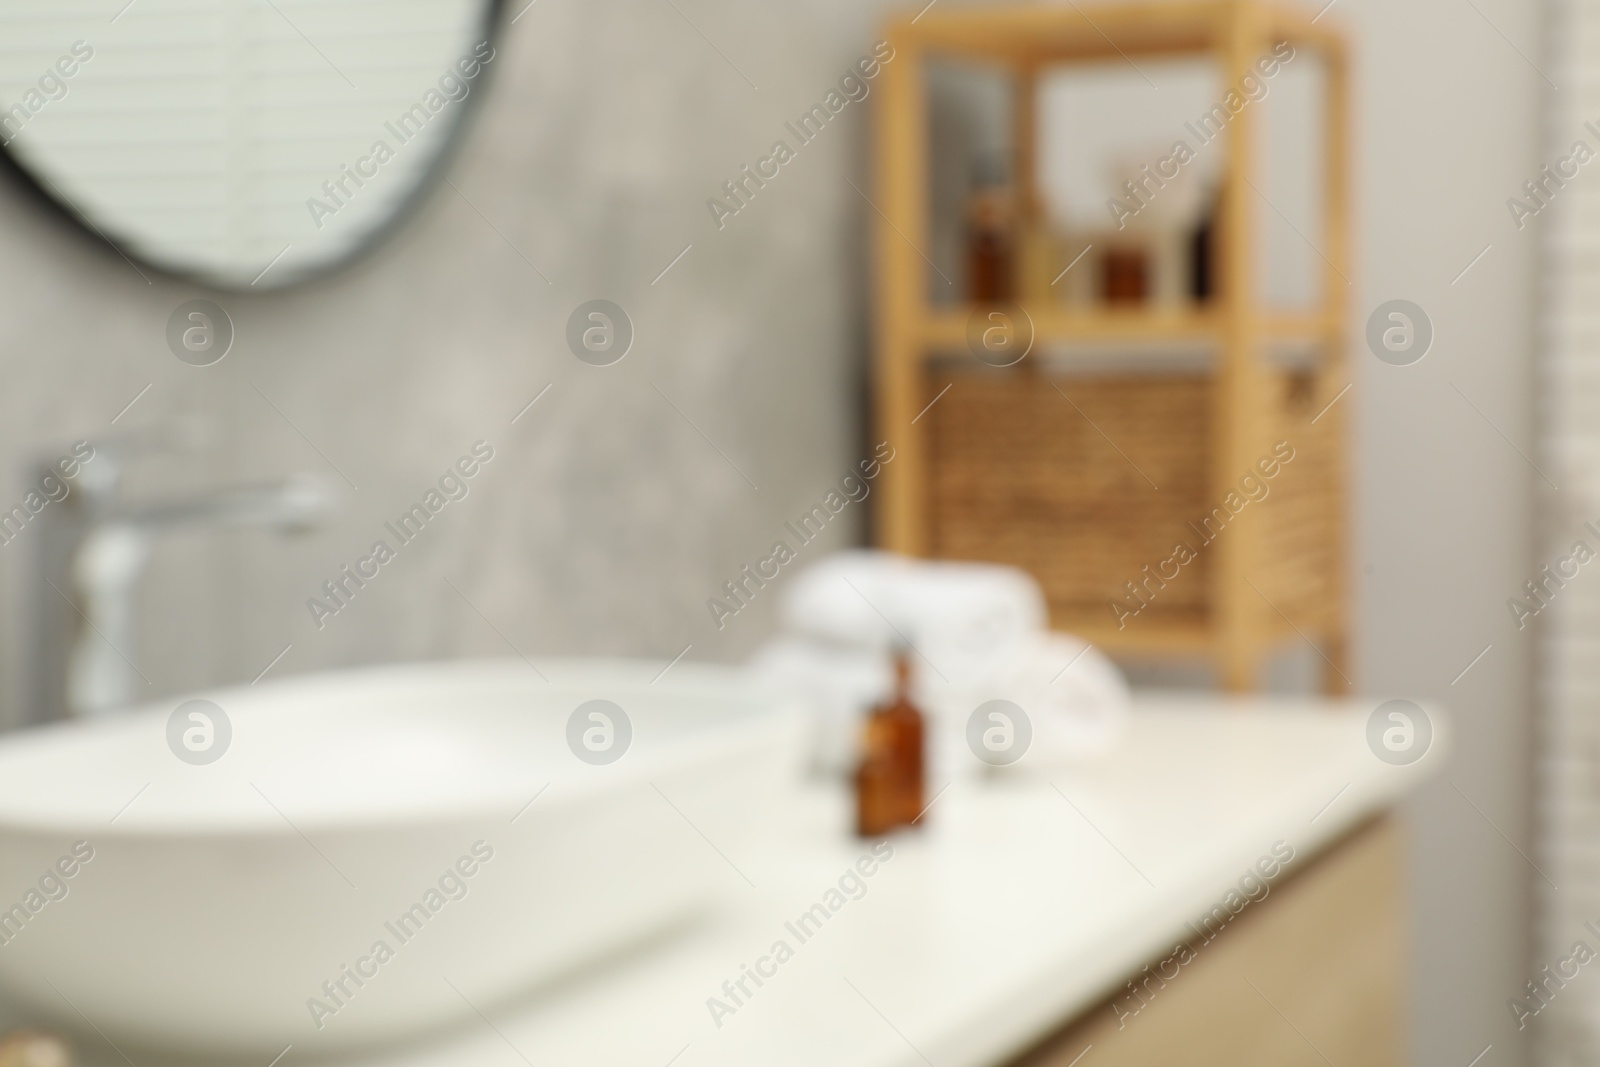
x,y
1568,674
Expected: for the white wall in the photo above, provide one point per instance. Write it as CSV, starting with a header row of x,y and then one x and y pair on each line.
x,y
1448,126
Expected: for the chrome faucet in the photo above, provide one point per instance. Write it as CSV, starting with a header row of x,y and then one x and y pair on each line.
x,y
91,551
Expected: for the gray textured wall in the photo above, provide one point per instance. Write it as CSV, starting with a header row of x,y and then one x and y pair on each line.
x,y
606,519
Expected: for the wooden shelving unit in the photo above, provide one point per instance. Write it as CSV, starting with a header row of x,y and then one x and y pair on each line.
x,y
1000,468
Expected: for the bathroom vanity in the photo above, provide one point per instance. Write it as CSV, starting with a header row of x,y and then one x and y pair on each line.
x,y
1324,956
1224,889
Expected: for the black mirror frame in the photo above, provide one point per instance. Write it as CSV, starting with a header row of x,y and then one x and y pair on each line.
x,y
42,193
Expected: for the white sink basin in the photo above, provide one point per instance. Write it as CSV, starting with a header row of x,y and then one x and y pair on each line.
x,y
220,900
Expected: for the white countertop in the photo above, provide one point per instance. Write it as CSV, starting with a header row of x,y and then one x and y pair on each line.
x,y
1027,899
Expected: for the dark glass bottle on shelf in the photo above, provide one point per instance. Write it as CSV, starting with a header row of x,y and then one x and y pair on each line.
x,y
889,782
990,241
1125,276
1202,255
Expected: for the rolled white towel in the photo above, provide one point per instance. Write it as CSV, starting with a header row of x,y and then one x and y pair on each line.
x,y
968,620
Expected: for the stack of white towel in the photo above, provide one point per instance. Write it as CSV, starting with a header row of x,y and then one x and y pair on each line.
x,y
976,631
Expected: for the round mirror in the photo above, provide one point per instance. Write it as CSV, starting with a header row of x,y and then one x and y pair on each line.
x,y
248,144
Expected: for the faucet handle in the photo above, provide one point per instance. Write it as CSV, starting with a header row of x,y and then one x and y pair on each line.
x,y
183,434
102,480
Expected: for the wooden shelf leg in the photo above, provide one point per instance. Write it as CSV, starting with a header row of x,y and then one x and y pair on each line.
x,y
1334,375
1238,665
1336,665
901,518
1239,431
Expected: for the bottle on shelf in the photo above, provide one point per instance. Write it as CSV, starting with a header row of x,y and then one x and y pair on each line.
x,y
1125,275
990,237
889,780
1202,253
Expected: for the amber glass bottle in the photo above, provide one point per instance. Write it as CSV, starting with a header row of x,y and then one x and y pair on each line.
x,y
991,216
989,247
889,780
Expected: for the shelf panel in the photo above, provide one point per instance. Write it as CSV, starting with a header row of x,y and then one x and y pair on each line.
x,y
1036,33
1103,31
1185,633
947,327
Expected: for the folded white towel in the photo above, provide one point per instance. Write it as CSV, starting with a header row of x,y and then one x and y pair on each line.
x,y
977,632
1075,699
840,683
967,619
